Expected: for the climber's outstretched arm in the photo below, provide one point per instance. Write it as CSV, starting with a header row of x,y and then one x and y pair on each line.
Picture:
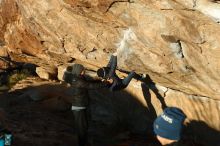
x,y
127,80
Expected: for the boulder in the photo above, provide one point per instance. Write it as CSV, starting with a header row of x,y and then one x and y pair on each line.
x,y
175,42
91,31
46,73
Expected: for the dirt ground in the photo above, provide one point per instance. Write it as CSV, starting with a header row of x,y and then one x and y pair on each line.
x,y
32,123
36,124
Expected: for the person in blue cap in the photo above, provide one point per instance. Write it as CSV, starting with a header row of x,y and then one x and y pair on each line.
x,y
168,126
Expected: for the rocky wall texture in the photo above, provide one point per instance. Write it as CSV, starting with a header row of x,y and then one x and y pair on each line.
x,y
175,42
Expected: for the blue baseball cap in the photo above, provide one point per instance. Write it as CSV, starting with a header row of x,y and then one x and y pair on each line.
x,y
170,123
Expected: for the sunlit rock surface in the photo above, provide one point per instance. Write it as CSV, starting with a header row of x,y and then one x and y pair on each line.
x,y
175,42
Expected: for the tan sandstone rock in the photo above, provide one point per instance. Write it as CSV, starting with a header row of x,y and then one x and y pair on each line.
x,y
134,29
4,63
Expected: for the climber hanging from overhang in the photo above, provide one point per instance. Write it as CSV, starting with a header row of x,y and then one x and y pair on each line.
x,y
74,75
108,73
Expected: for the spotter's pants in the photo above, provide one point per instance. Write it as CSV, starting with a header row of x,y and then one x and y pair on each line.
x,y
81,125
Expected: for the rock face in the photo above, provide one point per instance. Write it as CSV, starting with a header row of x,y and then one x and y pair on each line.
x,y
3,61
175,42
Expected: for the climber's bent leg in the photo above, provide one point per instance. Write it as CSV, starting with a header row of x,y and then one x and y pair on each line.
x,y
112,65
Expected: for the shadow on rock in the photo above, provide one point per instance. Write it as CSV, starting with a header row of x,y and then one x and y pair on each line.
x,y
200,132
115,117
147,82
118,116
